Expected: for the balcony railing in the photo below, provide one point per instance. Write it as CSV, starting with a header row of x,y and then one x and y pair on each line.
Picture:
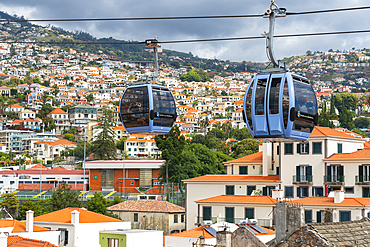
x,y
261,222
362,179
334,179
302,179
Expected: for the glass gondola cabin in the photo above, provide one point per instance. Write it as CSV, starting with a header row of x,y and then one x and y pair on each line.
x,y
279,106
147,109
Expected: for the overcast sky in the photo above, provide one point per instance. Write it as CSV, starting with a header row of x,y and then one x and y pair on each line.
x,y
248,50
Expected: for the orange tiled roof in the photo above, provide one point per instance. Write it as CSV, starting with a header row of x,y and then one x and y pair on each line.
x,y
20,226
59,168
240,199
367,144
358,155
256,157
57,111
17,241
148,206
39,166
229,178
329,201
193,233
64,216
326,131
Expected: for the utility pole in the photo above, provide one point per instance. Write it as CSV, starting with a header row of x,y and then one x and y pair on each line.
x,y
83,187
167,180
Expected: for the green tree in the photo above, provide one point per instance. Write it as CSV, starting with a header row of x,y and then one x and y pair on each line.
x,y
79,150
324,120
11,203
346,119
49,123
97,203
45,109
26,206
90,97
346,101
63,197
362,122
104,146
245,147
70,137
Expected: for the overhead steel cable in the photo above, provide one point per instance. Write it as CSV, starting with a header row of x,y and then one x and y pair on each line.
x,y
136,18
188,41
327,11
179,17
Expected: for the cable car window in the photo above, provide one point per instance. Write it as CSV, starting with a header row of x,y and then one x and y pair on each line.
x,y
274,96
248,106
135,107
260,97
164,105
285,103
306,106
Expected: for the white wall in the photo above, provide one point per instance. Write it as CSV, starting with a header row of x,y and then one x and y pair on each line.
x,y
49,236
171,241
151,238
85,234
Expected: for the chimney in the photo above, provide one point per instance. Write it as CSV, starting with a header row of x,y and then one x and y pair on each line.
x,y
3,240
29,221
75,217
277,194
338,196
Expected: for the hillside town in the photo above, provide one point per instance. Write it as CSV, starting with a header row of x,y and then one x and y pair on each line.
x,y
213,185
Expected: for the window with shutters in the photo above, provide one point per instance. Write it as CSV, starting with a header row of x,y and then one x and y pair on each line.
x,y
289,191
230,189
364,173
229,213
250,189
340,148
288,148
303,148
303,174
249,213
207,213
334,174
243,170
344,216
308,216
316,149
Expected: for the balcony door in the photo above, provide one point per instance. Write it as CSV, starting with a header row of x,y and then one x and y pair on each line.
x,y
335,173
364,173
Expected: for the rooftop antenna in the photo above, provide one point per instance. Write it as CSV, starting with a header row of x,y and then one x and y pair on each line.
x,y
271,13
153,43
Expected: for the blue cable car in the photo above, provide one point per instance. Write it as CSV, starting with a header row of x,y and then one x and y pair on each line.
x,y
279,105
147,109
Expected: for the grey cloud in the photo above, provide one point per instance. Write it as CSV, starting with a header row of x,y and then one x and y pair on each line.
x,y
249,50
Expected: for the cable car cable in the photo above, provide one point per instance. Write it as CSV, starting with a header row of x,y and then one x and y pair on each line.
x,y
180,17
191,40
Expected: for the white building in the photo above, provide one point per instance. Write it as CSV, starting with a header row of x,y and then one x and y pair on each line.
x,y
79,227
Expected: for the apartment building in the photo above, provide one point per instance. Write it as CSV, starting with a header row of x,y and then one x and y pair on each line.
x,y
80,115
329,160
61,120
141,146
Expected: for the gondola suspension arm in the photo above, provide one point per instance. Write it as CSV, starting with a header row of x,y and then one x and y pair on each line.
x,y
153,43
271,13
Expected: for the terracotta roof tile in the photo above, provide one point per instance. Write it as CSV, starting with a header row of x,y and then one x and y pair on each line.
x,y
218,178
193,233
329,201
57,111
147,206
64,216
239,199
20,226
358,155
256,157
17,241
59,168
326,131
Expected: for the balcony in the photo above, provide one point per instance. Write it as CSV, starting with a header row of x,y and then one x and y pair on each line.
x,y
362,180
261,222
334,180
303,179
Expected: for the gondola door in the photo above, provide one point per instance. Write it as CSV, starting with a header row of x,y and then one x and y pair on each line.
x,y
259,108
274,104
